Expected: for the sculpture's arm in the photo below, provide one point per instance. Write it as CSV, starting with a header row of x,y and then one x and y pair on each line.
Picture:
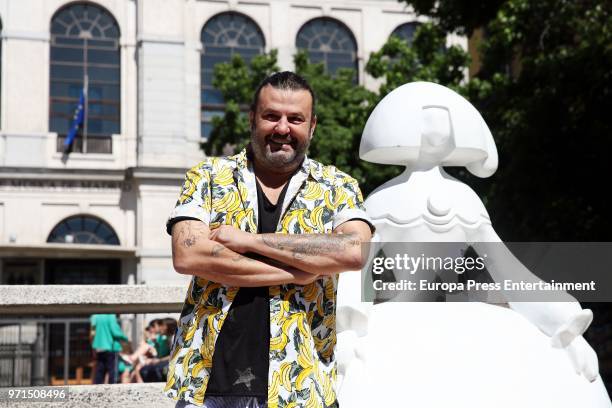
x,y
563,321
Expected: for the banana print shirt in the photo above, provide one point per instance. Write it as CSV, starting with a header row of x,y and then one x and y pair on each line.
x,y
302,371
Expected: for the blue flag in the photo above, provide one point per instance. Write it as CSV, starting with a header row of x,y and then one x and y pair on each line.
x,y
77,121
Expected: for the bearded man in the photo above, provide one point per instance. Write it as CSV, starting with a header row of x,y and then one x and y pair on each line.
x,y
265,234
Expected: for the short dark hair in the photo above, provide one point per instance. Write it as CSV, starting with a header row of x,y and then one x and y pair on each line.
x,y
171,325
284,80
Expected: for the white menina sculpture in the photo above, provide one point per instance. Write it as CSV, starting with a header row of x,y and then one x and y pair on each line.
x,y
417,354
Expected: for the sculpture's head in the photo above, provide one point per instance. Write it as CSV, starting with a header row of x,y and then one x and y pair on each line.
x,y
425,124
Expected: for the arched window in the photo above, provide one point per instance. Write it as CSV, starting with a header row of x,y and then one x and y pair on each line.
x,y
83,229
85,56
224,36
406,31
328,41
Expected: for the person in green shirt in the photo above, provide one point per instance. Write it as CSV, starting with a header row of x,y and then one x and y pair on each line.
x,y
167,328
106,335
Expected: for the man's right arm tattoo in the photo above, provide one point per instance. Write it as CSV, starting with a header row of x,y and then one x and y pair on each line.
x,y
189,233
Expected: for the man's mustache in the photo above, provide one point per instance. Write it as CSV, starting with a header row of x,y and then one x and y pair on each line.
x,y
275,137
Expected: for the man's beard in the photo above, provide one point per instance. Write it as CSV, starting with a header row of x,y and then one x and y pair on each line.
x,y
278,159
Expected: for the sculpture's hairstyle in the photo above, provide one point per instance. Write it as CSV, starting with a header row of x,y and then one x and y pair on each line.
x,y
394,131
285,80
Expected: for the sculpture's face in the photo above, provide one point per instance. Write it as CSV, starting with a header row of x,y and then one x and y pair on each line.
x,y
281,128
437,138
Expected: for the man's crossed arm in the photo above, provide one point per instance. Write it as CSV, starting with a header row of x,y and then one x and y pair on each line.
x,y
321,254
220,256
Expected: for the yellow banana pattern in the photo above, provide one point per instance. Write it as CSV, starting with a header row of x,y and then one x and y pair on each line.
x,y
302,318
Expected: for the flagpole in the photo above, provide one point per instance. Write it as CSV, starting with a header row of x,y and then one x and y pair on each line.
x,y
85,111
86,89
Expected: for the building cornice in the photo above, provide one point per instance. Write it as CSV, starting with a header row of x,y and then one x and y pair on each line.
x,y
131,173
39,173
60,250
155,173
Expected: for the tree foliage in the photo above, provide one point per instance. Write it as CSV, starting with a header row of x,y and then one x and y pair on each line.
x,y
462,16
543,89
426,59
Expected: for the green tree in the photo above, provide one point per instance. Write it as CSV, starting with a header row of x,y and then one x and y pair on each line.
x,y
462,16
426,59
544,88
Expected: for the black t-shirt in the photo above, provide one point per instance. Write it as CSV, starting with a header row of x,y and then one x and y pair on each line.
x,y
241,357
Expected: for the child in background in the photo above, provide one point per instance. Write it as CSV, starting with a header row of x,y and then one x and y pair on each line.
x,y
145,351
125,368
156,369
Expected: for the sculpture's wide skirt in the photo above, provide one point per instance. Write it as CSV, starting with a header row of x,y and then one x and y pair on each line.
x,y
461,355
